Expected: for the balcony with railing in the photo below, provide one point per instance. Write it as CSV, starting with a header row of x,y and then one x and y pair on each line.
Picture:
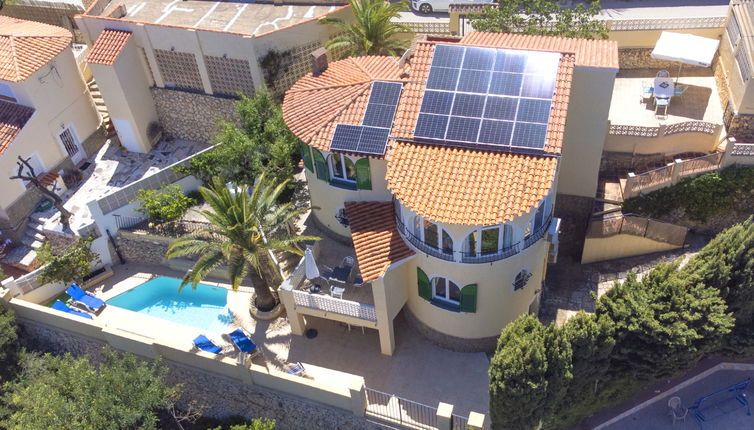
x,y
421,245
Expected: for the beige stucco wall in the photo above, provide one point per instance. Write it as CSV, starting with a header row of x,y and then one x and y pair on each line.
x,y
586,127
125,90
327,198
741,94
59,95
620,246
669,144
648,38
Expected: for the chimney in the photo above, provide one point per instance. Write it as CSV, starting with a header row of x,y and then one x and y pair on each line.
x,y
319,61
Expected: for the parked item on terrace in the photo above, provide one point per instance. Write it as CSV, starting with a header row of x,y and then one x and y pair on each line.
x,y
677,411
337,291
242,340
60,306
203,343
85,299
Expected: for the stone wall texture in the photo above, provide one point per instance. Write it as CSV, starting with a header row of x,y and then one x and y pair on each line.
x,y
142,248
641,58
484,344
619,164
191,116
574,212
221,397
742,128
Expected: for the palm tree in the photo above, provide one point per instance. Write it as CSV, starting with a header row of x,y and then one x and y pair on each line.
x,y
372,32
245,229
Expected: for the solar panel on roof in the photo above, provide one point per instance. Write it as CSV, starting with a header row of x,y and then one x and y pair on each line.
x,y
373,140
346,137
383,100
488,96
378,115
386,93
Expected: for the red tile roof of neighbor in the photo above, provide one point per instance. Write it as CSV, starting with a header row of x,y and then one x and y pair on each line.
x,y
375,237
27,46
13,118
108,46
444,183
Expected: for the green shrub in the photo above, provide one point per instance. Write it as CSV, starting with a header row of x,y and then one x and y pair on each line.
x,y
71,266
163,205
9,347
196,197
700,197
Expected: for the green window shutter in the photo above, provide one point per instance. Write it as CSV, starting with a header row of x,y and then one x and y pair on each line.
x,y
468,298
363,177
306,154
425,289
321,166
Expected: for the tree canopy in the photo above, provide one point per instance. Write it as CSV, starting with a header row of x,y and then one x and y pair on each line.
x,y
70,266
261,144
372,32
541,17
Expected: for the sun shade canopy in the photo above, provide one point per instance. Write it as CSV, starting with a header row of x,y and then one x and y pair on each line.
x,y
685,48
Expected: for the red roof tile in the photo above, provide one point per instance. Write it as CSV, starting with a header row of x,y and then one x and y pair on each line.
x,y
108,46
13,118
375,237
601,54
27,46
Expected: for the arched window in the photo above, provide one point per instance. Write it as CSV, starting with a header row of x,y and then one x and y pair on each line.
x,y
342,168
446,290
432,235
540,216
488,241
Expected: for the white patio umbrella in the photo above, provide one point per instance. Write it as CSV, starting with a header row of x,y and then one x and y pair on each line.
x,y
685,49
312,271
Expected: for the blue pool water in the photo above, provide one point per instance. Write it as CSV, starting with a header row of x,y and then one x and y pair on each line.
x,y
205,307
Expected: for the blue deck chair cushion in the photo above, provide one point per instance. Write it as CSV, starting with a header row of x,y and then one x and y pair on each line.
x,y
242,341
60,306
81,296
205,344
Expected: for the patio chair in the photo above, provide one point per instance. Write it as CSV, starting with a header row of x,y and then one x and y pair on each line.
x,y
647,91
677,411
296,369
337,291
344,273
242,340
85,299
60,306
203,343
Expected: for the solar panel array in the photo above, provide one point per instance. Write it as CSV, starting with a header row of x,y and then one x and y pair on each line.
x,y
370,137
496,98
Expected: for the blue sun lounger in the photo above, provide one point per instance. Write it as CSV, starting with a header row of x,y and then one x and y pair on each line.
x,y
60,306
83,298
203,343
243,342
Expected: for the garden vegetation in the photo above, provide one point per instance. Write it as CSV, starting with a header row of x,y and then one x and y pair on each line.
x,y
643,331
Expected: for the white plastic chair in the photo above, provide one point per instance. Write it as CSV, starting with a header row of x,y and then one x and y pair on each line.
x,y
337,291
677,410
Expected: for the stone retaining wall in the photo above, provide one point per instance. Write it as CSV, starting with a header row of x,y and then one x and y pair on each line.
x,y
191,116
484,344
142,248
742,127
641,58
222,397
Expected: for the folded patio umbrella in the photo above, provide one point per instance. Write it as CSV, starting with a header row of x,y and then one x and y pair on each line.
x,y
685,49
312,271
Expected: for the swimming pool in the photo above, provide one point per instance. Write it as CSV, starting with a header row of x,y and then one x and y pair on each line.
x,y
205,307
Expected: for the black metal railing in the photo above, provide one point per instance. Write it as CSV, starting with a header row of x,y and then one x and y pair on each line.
x,y
459,422
420,244
397,410
509,251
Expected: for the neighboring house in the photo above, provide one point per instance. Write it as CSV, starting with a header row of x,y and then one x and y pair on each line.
x,y
46,113
444,171
177,67
737,55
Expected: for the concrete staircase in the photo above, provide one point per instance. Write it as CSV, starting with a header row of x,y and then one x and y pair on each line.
x,y
99,103
609,197
24,256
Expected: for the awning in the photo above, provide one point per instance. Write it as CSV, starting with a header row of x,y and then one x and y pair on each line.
x,y
685,48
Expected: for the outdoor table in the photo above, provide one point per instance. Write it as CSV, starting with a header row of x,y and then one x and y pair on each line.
x,y
664,90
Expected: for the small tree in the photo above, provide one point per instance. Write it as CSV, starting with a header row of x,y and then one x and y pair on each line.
x,y
26,173
541,17
528,373
71,266
63,392
372,31
262,144
163,205
9,347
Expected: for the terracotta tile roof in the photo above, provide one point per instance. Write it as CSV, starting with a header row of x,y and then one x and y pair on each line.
x,y
108,46
314,105
469,187
27,46
601,54
375,237
13,118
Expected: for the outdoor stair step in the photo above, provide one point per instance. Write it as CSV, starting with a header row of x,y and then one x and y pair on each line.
x,y
32,242
34,234
606,211
22,257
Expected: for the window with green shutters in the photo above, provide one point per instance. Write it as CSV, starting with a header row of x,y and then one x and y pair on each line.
x,y
468,298
425,290
320,165
363,176
306,155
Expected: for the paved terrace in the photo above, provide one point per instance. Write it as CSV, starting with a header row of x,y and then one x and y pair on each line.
x,y
699,102
235,17
418,371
